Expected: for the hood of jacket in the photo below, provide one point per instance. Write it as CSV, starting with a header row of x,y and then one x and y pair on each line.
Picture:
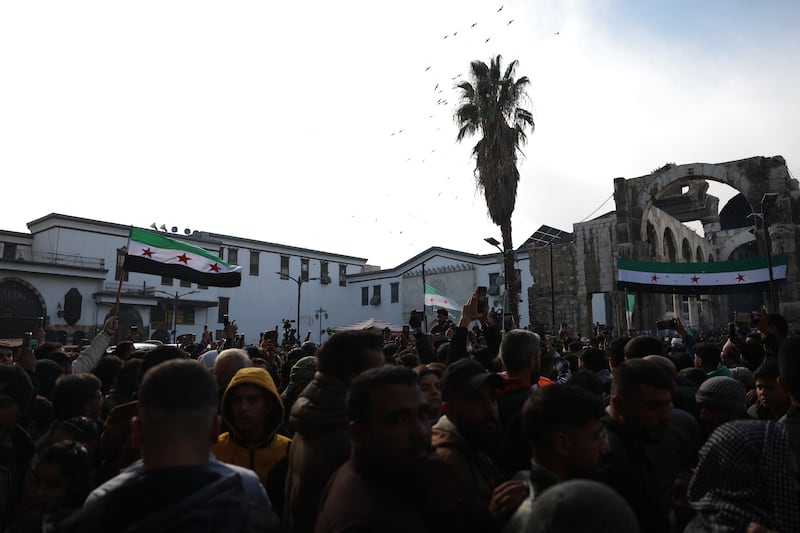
x,y
320,407
263,380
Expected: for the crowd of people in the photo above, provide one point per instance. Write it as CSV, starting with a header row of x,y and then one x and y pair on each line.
x,y
465,428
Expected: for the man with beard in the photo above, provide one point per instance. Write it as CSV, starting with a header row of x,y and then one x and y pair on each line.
x,y
639,414
468,433
390,435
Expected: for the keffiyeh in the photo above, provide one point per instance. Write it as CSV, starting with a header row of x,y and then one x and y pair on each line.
x,y
745,475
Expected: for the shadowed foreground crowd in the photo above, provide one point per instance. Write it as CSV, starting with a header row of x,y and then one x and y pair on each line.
x,y
463,430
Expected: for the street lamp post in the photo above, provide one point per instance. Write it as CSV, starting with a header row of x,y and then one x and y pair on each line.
x,y
320,314
175,297
299,282
494,242
765,200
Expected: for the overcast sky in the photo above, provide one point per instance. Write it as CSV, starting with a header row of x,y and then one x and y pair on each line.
x,y
275,121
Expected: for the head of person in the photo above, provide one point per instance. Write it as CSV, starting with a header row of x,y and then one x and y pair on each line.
x,y
615,351
588,381
563,507
442,315
407,358
60,477
720,399
228,363
643,345
47,373
80,429
789,367
641,398
592,359
16,393
470,402
519,352
77,395
106,371
348,353
563,427
388,419
251,406
177,421
158,355
744,475
770,394
430,378
6,354
779,324
128,376
124,349
707,356
730,356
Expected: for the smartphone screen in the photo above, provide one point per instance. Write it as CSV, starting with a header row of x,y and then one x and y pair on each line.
x,y
481,299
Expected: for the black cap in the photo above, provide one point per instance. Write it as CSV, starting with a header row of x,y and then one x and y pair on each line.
x,y
442,311
467,375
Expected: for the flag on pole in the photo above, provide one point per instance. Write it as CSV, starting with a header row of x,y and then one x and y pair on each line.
x,y
434,298
629,301
152,253
698,278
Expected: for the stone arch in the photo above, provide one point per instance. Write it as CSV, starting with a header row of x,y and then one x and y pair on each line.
x,y
652,239
686,251
752,177
698,254
710,258
20,304
670,249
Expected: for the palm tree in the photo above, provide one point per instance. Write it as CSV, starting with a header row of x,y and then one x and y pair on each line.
x,y
490,106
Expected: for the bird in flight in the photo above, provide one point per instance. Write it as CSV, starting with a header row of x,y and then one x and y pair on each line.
x,y
474,24
501,8
445,36
487,40
510,21
427,69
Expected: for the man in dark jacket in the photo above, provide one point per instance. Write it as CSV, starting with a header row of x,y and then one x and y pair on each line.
x,y
321,442
178,486
639,414
390,434
16,448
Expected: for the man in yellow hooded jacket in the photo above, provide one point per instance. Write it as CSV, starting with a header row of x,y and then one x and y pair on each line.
x,y
253,410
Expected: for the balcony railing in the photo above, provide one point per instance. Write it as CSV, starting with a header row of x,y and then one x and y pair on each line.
x,y
51,258
130,289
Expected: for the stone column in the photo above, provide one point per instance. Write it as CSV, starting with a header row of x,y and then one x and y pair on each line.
x,y
693,312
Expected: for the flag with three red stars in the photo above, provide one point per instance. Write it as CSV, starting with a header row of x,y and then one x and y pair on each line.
x,y
699,278
153,253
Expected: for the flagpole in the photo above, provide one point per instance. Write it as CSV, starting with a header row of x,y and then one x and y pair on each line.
x,y
122,276
424,312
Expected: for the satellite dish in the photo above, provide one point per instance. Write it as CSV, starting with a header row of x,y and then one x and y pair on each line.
x,y
187,231
174,229
153,225
163,227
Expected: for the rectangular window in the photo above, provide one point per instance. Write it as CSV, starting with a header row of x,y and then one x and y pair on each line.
x,y
121,253
185,315
254,262
376,295
166,280
233,256
10,251
284,267
304,269
342,275
222,308
364,295
323,273
185,283
395,292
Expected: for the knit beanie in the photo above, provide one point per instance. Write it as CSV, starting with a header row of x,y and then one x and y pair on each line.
x,y
15,382
723,392
563,507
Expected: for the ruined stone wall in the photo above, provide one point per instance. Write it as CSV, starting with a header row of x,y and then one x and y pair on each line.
x,y
596,254
565,286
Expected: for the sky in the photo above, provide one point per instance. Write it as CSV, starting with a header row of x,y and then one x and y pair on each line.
x,y
321,124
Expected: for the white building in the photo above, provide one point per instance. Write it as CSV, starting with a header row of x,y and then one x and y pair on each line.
x,y
68,271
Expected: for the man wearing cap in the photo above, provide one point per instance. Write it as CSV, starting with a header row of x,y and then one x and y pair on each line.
x,y
468,431
16,447
443,322
720,399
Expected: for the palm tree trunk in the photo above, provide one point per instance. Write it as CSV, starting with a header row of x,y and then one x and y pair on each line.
x,y
512,283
